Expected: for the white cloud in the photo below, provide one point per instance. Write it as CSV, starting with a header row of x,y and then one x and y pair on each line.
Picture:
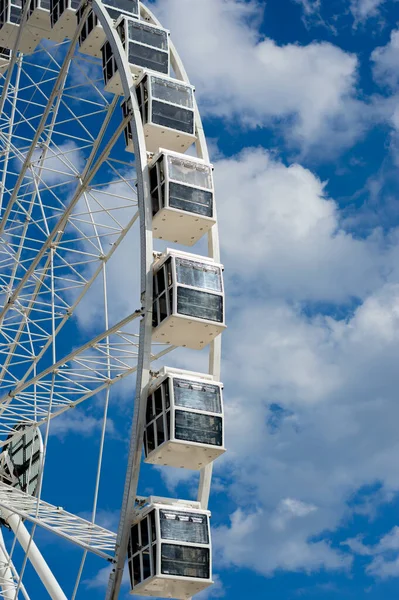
x,y
100,580
309,6
336,382
385,562
239,73
79,423
364,9
299,248
385,62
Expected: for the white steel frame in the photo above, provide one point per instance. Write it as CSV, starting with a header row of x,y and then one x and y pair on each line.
x,y
108,357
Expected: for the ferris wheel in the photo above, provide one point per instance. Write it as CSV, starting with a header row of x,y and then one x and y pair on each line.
x,y
106,185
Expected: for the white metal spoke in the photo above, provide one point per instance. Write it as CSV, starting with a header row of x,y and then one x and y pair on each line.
x,y
81,532
70,196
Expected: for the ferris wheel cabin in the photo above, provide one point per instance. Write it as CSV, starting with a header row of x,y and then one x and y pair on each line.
x,y
92,36
38,20
170,551
184,420
182,196
167,111
63,17
188,307
10,17
146,46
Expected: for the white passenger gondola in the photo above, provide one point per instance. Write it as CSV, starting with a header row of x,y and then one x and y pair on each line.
x,y
170,554
182,196
184,420
10,18
167,110
146,46
38,20
63,16
93,37
188,307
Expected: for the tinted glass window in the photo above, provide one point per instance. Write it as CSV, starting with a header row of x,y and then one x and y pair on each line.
x,y
145,34
194,427
184,527
190,199
162,89
144,532
185,561
172,117
199,304
197,396
160,430
135,544
146,564
198,275
136,570
191,173
143,56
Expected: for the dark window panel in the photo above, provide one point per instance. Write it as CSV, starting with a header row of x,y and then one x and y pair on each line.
x,y
198,304
173,117
148,58
189,199
151,437
185,561
135,539
194,427
152,523
165,386
160,430
150,410
163,311
144,533
136,570
158,401
146,564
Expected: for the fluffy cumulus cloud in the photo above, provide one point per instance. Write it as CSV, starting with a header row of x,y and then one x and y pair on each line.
x,y
385,62
314,401
364,9
298,248
385,554
309,90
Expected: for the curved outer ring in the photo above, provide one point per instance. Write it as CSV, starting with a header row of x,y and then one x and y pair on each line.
x,y
146,243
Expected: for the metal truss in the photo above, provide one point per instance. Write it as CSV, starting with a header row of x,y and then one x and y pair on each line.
x,y
68,199
81,532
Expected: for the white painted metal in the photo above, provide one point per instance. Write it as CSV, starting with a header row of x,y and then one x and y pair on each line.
x,y
39,564
177,225
167,585
182,330
213,246
40,394
81,532
7,584
179,453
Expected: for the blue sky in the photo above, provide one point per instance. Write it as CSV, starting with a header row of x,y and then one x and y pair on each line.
x,y
300,100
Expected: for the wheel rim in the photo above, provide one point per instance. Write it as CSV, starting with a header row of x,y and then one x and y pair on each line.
x,y
68,202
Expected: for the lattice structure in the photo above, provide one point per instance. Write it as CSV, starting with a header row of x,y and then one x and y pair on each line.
x,y
87,535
